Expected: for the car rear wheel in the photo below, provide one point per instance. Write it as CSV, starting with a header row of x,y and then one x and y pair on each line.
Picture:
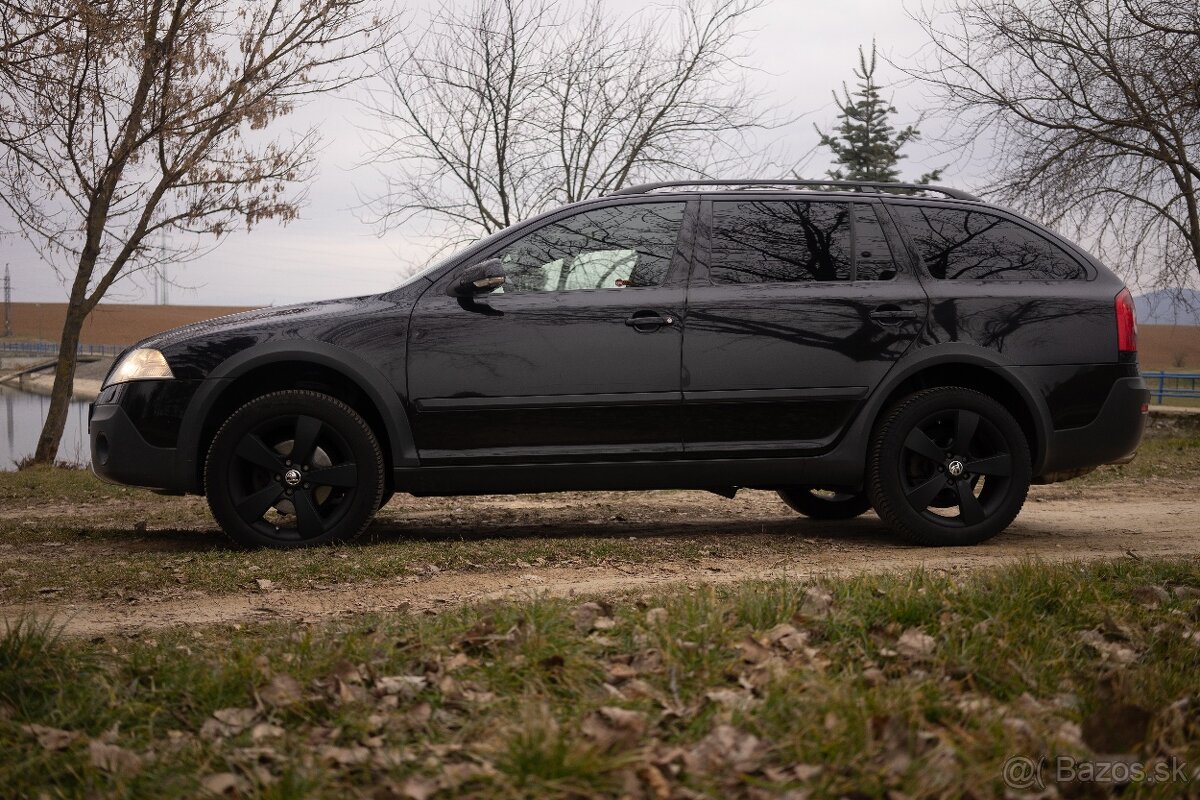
x,y
948,466
294,469
825,504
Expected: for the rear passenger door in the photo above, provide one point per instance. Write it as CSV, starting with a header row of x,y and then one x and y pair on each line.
x,y
796,310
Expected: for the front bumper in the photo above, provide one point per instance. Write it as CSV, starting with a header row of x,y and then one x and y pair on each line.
x,y
1112,437
121,455
133,429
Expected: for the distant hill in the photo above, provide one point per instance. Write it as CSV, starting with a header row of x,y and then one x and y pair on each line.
x,y
1165,307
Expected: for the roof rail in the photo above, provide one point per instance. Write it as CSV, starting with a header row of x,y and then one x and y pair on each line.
x,y
857,186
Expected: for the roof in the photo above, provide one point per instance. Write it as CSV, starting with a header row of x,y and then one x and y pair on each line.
x,y
873,187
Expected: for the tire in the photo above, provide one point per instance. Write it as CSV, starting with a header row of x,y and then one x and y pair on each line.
x,y
825,504
918,448
261,497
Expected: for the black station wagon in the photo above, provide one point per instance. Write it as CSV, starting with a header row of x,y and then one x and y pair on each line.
x,y
909,349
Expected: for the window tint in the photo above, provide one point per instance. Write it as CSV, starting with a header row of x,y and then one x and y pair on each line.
x,y
872,256
969,245
769,242
605,248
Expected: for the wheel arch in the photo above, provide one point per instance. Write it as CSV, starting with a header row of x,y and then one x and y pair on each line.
x,y
294,365
958,365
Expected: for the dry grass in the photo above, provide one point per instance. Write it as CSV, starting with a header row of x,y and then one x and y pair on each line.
x,y
1175,348
110,323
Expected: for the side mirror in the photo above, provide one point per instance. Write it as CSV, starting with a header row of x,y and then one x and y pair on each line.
x,y
484,277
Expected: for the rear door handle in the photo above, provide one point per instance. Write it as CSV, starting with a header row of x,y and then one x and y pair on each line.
x,y
649,320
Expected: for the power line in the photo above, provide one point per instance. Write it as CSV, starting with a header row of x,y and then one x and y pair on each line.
x,y
7,302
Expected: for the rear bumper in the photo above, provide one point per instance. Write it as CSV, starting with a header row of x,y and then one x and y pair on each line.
x,y
1113,436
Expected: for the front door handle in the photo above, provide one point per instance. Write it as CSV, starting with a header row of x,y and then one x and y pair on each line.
x,y
891,315
647,321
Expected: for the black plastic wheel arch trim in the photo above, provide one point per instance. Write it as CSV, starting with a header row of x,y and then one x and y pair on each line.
x,y
374,385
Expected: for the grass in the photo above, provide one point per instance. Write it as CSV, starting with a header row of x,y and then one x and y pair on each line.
x,y
685,691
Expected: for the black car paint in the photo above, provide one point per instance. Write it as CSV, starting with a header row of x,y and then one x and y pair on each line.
x,y
754,395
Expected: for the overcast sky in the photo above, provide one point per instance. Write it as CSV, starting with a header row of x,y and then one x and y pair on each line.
x,y
803,49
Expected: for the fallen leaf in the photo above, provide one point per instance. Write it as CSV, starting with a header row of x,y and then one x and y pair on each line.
x,y
282,690
347,673
619,673
1151,595
404,685
50,738
613,728
655,782
817,602
223,783
753,651
915,644
656,616
1187,592
265,730
726,749
113,759
227,722
891,734
788,637
458,661
345,756
874,676
732,699
455,775
586,614
1109,651
419,787
806,772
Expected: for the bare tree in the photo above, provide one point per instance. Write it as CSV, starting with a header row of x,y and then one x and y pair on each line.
x,y
503,109
1093,108
120,119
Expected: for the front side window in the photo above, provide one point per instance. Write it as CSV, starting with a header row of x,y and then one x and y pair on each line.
x,y
625,246
956,244
780,242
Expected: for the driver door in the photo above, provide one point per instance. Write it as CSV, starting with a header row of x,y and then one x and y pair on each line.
x,y
576,357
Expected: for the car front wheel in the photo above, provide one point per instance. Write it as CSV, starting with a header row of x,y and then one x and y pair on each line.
x,y
948,466
293,469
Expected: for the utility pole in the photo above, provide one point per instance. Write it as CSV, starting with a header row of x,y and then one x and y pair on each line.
x,y
7,302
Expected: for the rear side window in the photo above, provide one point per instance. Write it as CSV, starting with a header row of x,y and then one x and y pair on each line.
x,y
872,256
956,244
780,242
798,241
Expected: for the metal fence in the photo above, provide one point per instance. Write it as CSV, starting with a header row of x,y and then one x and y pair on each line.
x,y
1162,384
51,349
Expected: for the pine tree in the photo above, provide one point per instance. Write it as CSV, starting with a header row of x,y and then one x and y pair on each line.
x,y
865,145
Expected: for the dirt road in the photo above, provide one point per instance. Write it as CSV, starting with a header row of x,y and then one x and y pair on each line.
x,y
649,540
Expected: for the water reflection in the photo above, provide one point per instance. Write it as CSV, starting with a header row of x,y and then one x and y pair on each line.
x,y
23,415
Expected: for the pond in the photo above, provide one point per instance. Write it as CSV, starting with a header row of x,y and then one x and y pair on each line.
x,y
21,418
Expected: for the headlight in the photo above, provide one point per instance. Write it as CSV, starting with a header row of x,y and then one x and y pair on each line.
x,y
140,365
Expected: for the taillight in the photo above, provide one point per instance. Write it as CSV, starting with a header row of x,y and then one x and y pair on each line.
x,y
1126,323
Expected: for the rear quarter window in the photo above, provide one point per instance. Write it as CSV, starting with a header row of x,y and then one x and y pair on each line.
x,y
962,244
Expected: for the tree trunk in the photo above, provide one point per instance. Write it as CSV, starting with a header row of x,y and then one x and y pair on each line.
x,y
64,387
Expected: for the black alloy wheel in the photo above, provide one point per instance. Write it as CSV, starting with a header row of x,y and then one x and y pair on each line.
x,y
825,504
948,466
293,469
